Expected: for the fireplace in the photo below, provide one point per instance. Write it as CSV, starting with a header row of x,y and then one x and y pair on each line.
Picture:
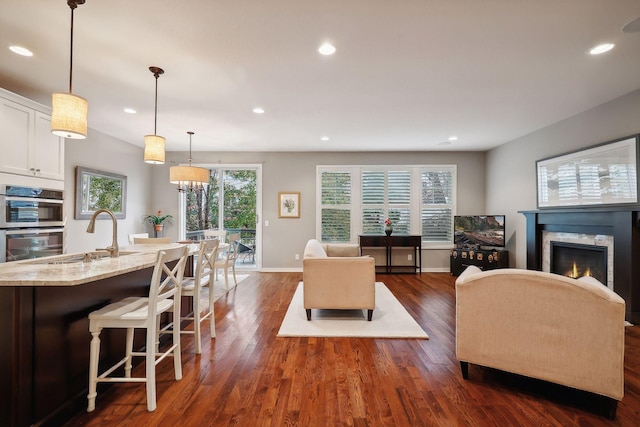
x,y
577,260
617,228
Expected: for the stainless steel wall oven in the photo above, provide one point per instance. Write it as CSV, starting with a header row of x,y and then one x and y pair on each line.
x,y
31,222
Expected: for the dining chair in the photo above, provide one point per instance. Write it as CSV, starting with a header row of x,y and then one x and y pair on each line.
x,y
141,313
193,286
215,234
137,235
228,260
151,240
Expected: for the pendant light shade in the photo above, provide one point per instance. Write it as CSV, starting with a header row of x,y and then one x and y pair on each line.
x,y
154,144
189,177
154,149
69,115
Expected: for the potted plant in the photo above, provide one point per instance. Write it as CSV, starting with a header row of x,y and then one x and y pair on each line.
x,y
158,220
388,226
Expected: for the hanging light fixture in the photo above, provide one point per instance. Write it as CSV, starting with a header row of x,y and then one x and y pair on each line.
x,y
154,144
190,178
69,115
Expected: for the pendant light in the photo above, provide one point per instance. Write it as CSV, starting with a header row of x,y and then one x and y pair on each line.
x,y
69,111
190,178
154,144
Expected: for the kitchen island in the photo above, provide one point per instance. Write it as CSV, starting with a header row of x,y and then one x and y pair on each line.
x,y
44,308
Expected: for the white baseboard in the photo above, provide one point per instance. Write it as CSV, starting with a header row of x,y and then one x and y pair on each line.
x,y
299,270
282,270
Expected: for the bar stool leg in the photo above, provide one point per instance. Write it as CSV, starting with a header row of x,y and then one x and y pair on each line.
x,y
93,370
151,369
212,316
177,354
196,323
128,350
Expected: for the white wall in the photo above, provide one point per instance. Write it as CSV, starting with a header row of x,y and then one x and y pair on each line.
x,y
108,154
511,175
288,171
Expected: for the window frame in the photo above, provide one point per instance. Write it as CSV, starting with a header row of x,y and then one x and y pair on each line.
x,y
356,206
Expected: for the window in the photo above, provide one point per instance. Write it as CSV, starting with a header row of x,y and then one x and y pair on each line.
x,y
335,206
356,200
386,194
437,206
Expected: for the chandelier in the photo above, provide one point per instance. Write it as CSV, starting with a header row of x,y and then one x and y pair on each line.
x,y
190,178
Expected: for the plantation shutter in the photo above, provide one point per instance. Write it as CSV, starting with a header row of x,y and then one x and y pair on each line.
x,y
373,197
399,201
437,205
386,194
335,213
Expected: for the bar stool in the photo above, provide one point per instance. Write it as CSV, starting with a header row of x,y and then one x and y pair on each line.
x,y
143,313
193,286
229,259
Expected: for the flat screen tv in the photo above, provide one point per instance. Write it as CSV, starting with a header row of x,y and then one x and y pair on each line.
x,y
478,230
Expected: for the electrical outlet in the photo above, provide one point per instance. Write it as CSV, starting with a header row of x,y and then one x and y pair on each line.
x,y
409,257
297,257
266,222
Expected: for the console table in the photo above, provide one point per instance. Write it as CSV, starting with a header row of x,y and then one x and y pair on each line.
x,y
395,241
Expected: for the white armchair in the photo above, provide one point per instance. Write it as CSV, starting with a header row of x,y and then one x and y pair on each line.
x,y
336,276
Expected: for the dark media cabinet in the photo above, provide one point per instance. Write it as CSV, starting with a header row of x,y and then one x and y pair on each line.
x,y
482,258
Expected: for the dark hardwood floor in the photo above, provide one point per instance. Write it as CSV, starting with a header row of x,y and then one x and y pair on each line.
x,y
248,377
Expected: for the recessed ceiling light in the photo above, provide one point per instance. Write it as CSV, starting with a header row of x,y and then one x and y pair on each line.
x,y
327,49
324,138
129,110
22,51
632,26
453,138
601,48
258,110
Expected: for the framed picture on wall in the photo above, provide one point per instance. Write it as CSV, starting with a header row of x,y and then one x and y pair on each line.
x,y
605,174
289,204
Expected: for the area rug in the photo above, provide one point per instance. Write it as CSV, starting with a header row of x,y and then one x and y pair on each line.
x,y
390,320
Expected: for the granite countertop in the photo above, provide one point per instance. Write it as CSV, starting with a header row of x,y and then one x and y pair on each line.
x,y
54,271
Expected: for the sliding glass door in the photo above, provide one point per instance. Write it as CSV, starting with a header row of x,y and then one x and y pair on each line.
x,y
232,203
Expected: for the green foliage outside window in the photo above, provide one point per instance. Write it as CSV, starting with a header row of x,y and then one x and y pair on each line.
x,y
203,208
103,193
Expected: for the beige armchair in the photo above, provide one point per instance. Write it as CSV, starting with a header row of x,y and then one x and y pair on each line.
x,y
544,326
335,276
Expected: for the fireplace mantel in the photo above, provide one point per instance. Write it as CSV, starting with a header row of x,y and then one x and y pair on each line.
x,y
619,222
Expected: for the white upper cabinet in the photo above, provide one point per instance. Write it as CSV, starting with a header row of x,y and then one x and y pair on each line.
x,y
28,147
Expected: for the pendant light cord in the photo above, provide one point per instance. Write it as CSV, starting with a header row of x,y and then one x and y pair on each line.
x,y
72,5
156,71
155,114
190,158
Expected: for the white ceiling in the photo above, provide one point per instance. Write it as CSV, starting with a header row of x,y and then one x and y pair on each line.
x,y
407,74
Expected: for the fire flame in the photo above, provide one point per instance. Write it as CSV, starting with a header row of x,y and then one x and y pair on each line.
x,y
574,274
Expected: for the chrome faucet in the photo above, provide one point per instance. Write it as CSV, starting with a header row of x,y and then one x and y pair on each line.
x,y
113,249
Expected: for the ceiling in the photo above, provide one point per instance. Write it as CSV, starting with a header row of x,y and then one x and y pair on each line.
x,y
407,75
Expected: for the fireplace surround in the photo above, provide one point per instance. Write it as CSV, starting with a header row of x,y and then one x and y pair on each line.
x,y
622,224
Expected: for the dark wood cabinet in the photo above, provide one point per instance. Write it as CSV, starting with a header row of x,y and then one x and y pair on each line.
x,y
483,259
389,243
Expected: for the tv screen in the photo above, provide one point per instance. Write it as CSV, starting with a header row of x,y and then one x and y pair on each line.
x,y
482,230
